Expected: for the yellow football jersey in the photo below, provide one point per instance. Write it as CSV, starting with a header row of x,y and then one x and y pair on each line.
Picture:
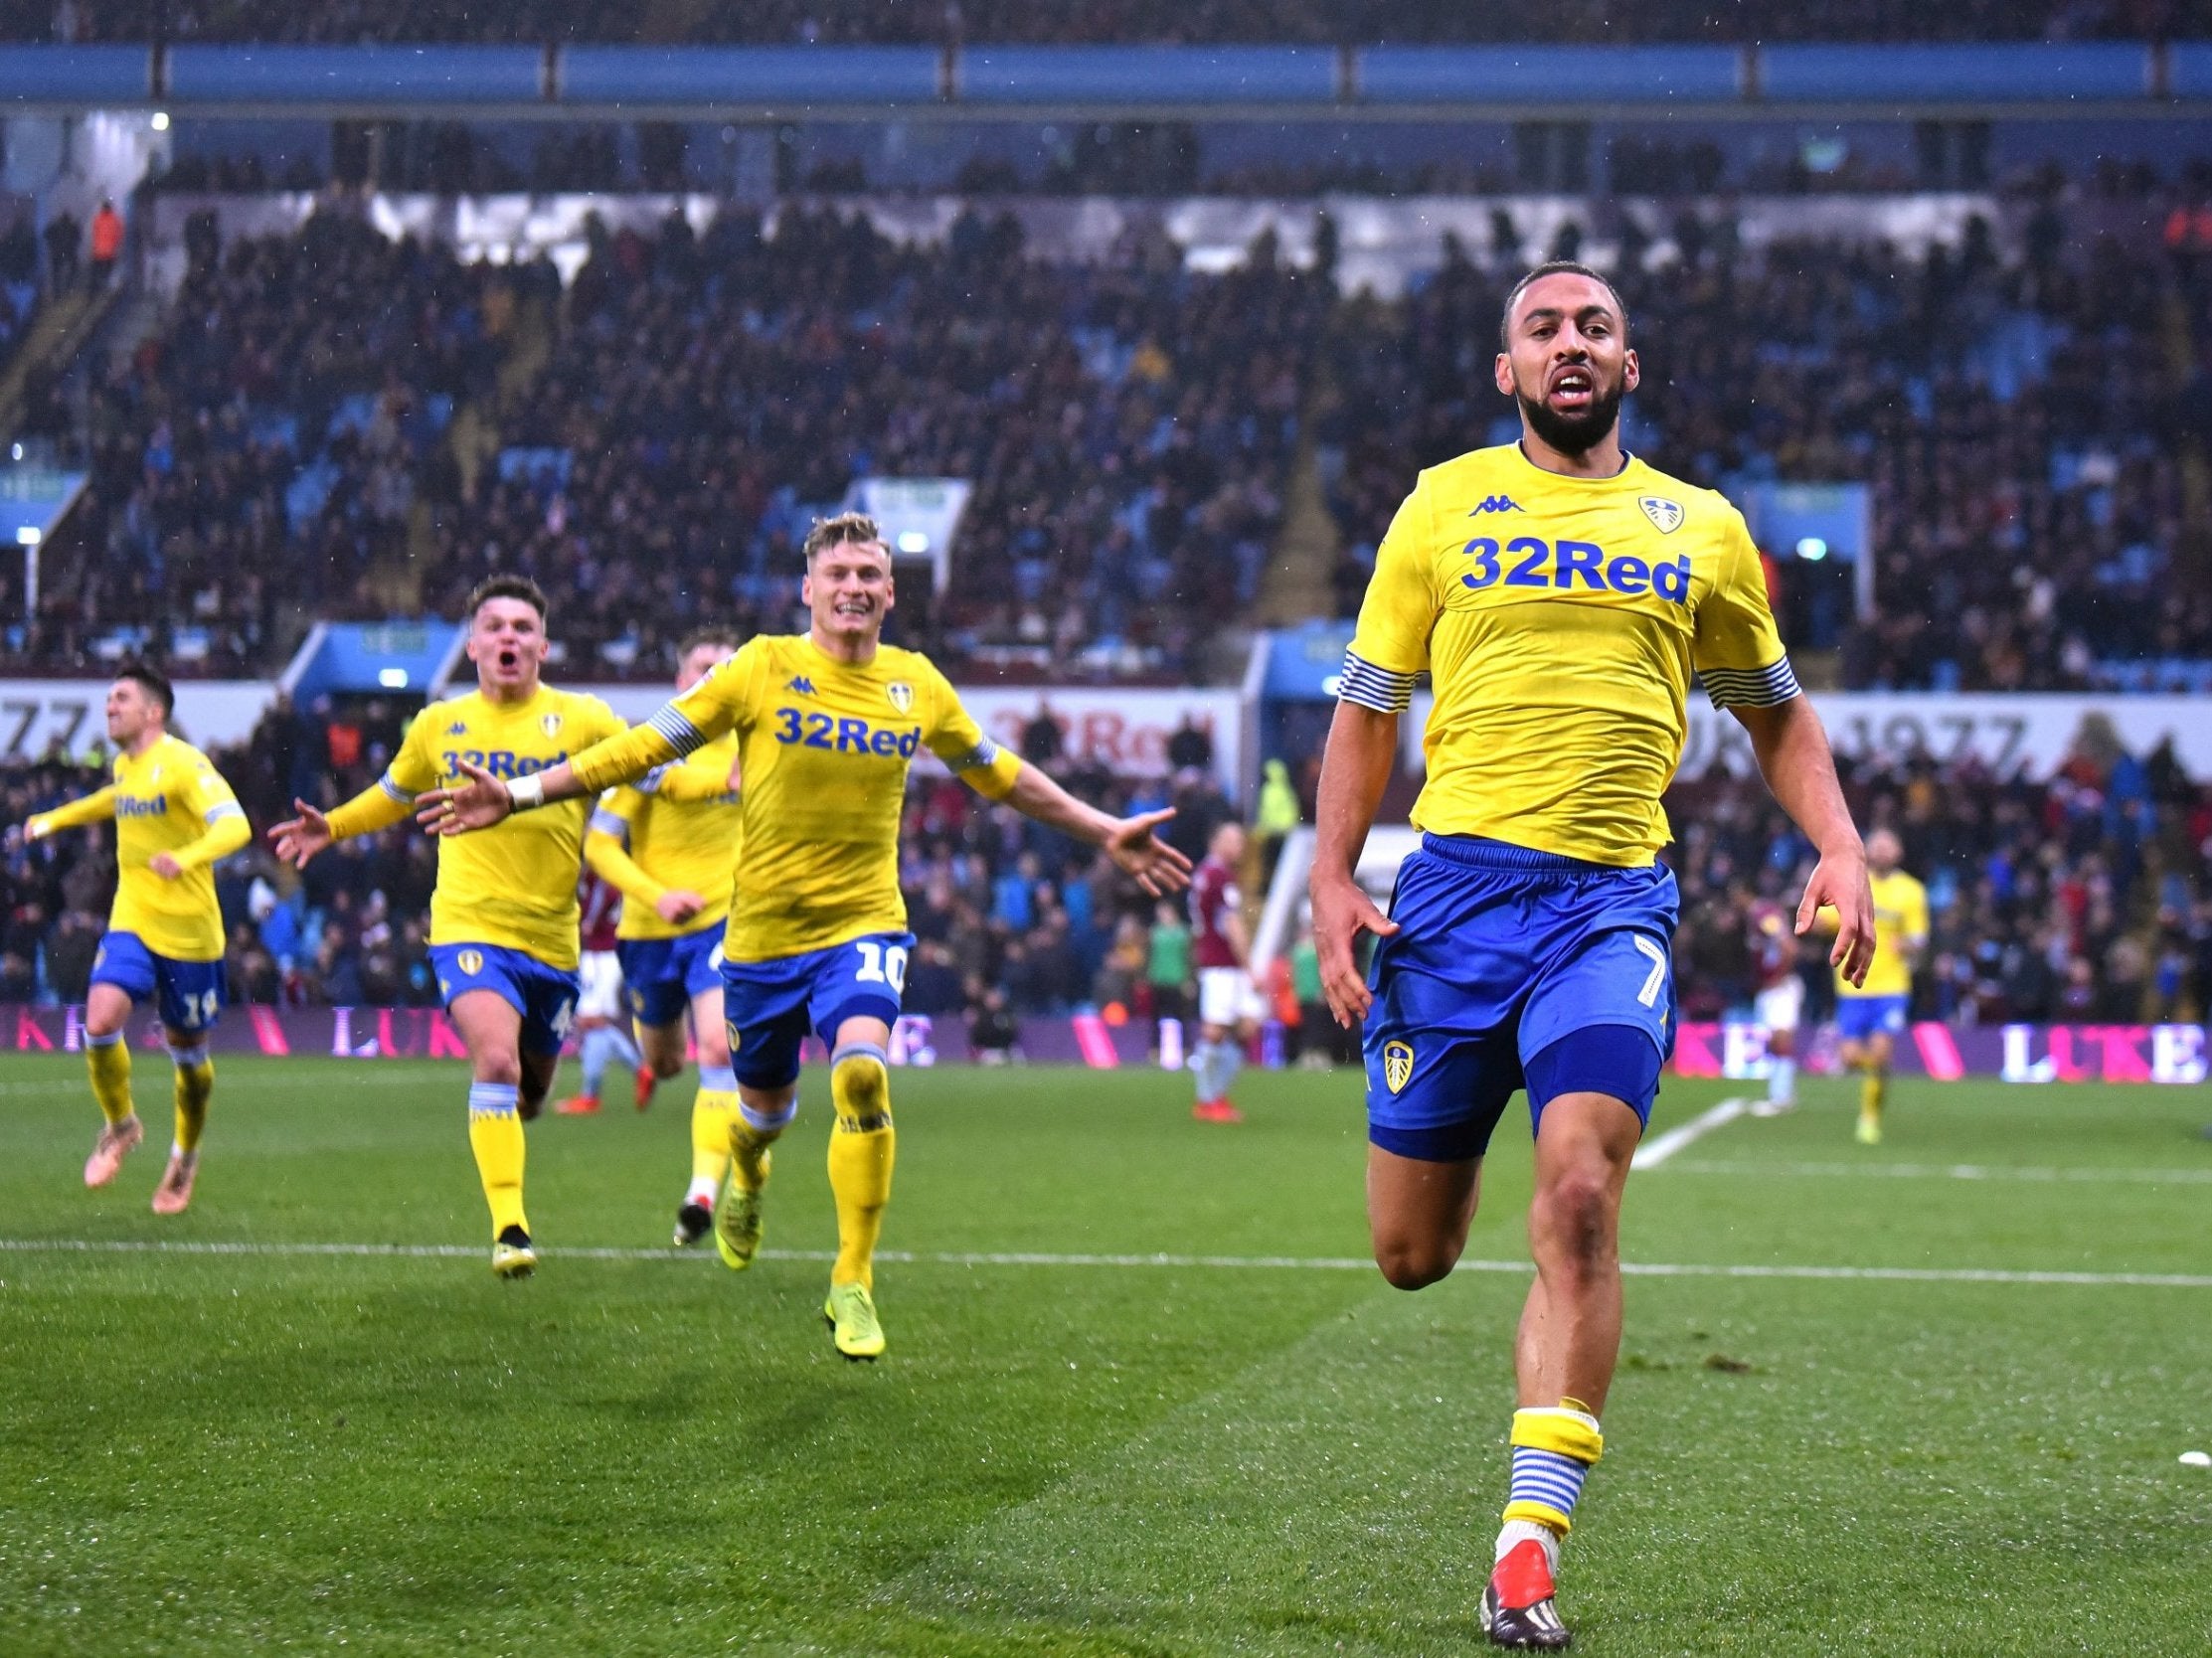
x,y
514,885
1899,929
1560,620
168,799
678,838
824,749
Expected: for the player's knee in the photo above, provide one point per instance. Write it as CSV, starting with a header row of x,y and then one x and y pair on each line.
x,y
1416,1263
665,1063
860,1085
1573,1218
498,1065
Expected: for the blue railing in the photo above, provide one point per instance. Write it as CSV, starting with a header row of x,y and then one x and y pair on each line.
x,y
1581,79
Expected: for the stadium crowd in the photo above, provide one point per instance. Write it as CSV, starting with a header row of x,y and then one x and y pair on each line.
x,y
2028,502
286,448
1231,22
1127,428
2085,897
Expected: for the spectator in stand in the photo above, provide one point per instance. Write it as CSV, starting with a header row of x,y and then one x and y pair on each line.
x,y
1189,749
1041,739
63,256
1168,968
107,244
992,1035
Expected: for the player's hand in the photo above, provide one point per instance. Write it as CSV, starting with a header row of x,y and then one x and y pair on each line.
x,y
1159,869
1839,881
1341,912
298,839
476,804
676,907
165,866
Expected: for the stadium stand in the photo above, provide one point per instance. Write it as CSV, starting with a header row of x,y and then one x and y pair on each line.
x,y
2029,503
1127,428
1206,22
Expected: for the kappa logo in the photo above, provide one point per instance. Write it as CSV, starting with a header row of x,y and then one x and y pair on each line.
x,y
900,694
550,724
460,728
1665,515
470,962
1398,1064
803,686
1496,503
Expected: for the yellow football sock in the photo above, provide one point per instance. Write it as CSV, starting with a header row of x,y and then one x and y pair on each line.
x,y
862,1148
195,1086
752,1132
1873,1088
109,1064
711,1112
495,1135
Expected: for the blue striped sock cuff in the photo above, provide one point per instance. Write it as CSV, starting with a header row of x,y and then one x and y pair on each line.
x,y
189,1058
1545,1479
107,1041
767,1122
860,1051
492,1099
717,1079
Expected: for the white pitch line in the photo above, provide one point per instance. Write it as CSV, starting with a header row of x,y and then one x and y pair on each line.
x,y
1292,1263
1652,1153
1956,1171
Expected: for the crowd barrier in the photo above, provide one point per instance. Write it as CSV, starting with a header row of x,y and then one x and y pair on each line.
x,y
2170,1055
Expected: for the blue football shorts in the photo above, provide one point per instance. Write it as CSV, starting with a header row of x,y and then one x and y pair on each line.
x,y
189,994
660,976
770,1006
544,996
1514,968
1860,1017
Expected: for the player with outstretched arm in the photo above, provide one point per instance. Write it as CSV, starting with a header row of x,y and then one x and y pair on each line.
x,y
828,722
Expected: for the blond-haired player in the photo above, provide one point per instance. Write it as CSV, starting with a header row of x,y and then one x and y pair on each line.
x,y
828,722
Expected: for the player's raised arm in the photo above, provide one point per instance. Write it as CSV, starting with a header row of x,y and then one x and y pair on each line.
x,y
691,721
381,805
957,739
97,807
1129,840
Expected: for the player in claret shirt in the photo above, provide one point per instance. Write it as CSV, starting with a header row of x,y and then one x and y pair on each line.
x,y
175,818
1560,593
828,722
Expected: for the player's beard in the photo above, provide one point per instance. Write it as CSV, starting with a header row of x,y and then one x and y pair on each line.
x,y
1577,434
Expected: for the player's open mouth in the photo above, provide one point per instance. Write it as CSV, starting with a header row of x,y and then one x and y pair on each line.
x,y
507,660
1573,388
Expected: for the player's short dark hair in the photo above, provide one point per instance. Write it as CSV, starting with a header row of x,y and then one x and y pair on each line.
x,y
846,528
1557,268
509,586
699,638
150,680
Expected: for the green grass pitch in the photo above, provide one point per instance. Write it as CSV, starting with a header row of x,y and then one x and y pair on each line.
x,y
269,1448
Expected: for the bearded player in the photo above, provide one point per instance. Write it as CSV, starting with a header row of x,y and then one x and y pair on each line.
x,y
667,842
503,915
1560,593
828,722
175,819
